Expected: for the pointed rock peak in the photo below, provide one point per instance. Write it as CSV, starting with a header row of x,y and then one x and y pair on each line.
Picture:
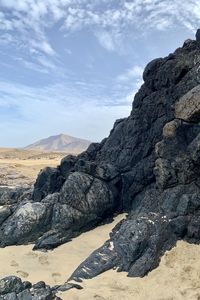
x,y
198,35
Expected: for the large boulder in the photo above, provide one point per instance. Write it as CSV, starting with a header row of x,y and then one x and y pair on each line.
x,y
77,207
26,224
48,182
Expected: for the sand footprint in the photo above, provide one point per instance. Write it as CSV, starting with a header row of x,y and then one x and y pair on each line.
x,y
32,254
43,260
97,297
22,274
14,264
56,277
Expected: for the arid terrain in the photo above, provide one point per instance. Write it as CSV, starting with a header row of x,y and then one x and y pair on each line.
x,y
20,167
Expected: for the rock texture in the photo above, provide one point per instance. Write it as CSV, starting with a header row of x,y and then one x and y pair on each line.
x,y
12,288
188,107
148,166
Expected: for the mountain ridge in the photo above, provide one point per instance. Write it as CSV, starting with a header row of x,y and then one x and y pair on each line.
x,y
61,142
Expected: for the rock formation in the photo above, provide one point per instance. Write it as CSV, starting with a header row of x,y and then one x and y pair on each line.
x,y
148,166
12,288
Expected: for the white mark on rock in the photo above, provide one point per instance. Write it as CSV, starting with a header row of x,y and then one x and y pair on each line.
x,y
150,221
111,246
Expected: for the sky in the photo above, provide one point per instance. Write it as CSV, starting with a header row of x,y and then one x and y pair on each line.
x,y
73,66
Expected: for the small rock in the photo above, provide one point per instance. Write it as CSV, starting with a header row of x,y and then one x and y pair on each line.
x,y
27,285
39,285
169,130
42,294
10,284
25,295
10,296
188,107
68,286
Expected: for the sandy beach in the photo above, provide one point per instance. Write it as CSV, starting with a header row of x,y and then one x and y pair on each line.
x,y
177,277
54,267
21,167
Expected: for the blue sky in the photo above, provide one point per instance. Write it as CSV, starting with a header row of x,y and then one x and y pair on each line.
x,y
73,66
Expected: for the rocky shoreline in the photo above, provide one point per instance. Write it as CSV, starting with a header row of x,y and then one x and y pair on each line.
x,y
148,167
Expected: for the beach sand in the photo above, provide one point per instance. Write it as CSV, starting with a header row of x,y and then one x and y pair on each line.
x,y
20,167
53,267
177,277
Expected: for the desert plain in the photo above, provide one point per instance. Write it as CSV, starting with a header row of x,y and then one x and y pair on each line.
x,y
21,167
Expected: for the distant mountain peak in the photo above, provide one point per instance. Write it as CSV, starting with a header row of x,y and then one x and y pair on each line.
x,y
62,143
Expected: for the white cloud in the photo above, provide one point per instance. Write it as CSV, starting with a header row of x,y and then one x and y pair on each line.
x,y
6,39
105,39
42,46
46,63
108,20
130,74
51,110
33,66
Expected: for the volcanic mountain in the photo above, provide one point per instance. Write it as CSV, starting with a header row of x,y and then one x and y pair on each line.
x,y
61,143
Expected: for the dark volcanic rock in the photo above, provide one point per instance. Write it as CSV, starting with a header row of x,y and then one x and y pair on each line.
x,y
198,35
10,196
12,288
159,169
10,284
148,166
49,181
27,222
135,246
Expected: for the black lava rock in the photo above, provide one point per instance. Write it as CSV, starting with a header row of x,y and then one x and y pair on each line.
x,y
198,35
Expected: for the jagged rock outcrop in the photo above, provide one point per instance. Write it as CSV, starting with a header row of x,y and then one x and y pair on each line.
x,y
148,166
12,288
167,210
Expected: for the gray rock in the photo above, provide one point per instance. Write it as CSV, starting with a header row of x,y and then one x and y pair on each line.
x,y
26,222
42,294
9,296
49,181
188,107
12,288
27,285
78,207
68,286
5,212
198,35
24,295
39,285
10,284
